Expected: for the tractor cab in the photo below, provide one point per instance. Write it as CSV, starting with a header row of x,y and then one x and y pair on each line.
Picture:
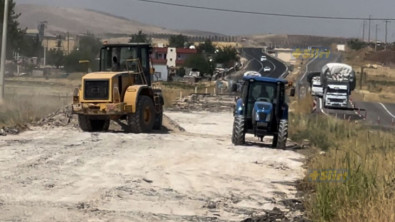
x,y
261,110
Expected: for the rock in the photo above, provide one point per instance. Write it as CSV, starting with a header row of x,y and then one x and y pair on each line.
x,y
147,180
2,132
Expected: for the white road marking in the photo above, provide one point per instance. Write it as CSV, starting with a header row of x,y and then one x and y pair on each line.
x,y
355,111
322,110
385,108
307,68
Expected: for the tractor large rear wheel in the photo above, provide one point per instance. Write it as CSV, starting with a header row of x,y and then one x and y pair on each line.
x,y
238,134
89,124
282,134
142,121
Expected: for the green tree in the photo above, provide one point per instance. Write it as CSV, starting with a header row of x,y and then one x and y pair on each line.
x,y
90,46
226,55
140,37
89,50
206,47
198,61
55,57
356,44
14,33
72,61
31,47
178,41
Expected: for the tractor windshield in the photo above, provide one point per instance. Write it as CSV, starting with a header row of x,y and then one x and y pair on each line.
x,y
262,91
118,58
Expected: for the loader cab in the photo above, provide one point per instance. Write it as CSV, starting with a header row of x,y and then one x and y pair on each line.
x,y
125,57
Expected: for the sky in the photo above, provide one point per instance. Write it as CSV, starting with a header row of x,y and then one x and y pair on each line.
x,y
179,18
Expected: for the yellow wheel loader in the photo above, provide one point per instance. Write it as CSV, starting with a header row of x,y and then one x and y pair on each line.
x,y
121,90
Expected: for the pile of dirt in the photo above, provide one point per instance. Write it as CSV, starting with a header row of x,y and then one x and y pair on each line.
x,y
204,102
277,215
14,130
62,117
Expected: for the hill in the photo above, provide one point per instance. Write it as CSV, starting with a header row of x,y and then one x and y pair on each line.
x,y
76,21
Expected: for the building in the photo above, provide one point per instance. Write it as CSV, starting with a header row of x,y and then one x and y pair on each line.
x,y
166,60
66,43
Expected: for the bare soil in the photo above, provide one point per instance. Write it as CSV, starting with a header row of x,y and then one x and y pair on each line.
x,y
189,171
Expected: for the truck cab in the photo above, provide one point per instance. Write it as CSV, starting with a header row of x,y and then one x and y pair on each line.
x,y
336,95
316,86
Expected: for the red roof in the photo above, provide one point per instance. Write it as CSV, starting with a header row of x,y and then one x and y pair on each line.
x,y
179,50
157,49
186,51
180,62
159,61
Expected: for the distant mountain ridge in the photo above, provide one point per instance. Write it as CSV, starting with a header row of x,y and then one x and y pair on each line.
x,y
77,21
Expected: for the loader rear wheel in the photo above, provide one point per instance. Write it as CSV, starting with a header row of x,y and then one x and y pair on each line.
x,y
142,121
88,124
282,134
238,135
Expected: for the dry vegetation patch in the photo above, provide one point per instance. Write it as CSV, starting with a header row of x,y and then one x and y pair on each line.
x,y
369,158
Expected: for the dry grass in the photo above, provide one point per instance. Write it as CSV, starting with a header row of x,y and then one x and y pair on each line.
x,y
29,99
379,84
20,110
368,155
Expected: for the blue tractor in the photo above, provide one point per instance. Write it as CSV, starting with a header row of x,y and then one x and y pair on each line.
x,y
262,110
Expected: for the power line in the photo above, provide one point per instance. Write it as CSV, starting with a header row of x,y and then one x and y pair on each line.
x,y
262,13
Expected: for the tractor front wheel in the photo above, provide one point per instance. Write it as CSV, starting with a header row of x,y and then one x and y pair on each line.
x,y
142,121
238,135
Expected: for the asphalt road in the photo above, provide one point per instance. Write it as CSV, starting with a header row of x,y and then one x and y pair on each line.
x,y
374,113
378,113
254,63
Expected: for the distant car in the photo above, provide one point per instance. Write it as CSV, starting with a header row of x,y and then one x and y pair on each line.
x,y
267,69
252,73
263,58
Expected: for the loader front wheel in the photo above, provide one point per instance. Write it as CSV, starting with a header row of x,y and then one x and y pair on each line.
x,y
238,134
88,124
142,121
158,121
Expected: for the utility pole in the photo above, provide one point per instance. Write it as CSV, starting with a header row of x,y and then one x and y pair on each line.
x,y
386,32
375,44
370,19
363,30
68,43
3,51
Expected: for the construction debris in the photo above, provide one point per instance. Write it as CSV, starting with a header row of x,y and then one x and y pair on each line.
x,y
204,102
61,117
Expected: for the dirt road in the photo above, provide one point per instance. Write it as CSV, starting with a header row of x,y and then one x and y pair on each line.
x,y
63,174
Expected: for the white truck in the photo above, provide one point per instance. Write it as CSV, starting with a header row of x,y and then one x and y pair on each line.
x,y
338,80
316,86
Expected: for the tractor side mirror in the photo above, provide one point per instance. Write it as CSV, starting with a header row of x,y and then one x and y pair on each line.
x,y
292,92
